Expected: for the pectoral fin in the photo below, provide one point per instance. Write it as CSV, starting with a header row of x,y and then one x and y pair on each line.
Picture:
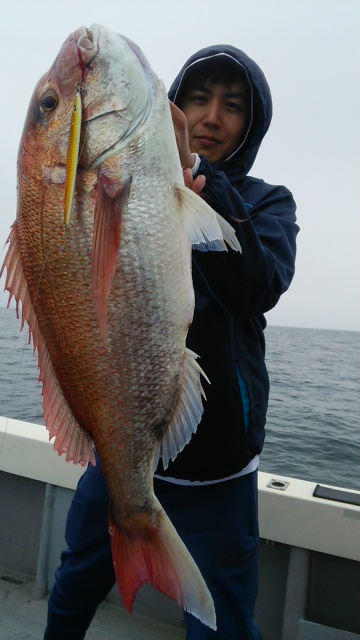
x,y
111,203
207,230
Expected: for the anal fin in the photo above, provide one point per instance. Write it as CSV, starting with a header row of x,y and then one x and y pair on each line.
x,y
187,414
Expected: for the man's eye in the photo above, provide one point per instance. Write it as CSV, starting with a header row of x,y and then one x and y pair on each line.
x,y
234,106
198,99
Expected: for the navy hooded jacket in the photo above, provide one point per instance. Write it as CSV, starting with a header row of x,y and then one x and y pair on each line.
x,y
233,291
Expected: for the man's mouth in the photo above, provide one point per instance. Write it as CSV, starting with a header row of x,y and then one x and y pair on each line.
x,y
207,140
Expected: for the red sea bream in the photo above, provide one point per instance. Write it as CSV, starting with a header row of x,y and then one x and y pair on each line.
x,y
108,294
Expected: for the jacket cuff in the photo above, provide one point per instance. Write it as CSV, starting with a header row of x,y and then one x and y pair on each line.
x,y
196,166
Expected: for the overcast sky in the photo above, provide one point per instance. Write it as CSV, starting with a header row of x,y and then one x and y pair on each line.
x,y
309,52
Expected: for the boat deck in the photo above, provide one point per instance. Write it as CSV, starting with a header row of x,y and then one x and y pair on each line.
x,y
309,553
23,618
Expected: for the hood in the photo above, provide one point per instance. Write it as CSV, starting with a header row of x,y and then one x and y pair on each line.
x,y
242,159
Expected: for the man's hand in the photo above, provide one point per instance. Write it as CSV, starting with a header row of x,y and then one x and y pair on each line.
x,y
187,158
196,185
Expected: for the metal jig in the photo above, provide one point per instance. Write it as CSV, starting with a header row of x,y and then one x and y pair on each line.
x,y
73,152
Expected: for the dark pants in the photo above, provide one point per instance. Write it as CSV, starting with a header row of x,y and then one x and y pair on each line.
x,y
218,524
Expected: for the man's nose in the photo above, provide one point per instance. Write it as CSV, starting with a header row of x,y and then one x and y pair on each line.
x,y
212,115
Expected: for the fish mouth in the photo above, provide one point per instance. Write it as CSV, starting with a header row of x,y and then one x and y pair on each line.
x,y
87,44
87,41
105,93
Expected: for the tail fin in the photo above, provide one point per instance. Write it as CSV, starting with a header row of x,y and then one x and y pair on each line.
x,y
162,559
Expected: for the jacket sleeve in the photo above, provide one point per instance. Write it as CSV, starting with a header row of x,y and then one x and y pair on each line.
x,y
263,216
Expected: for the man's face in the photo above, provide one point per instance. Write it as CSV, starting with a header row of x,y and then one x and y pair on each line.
x,y
217,117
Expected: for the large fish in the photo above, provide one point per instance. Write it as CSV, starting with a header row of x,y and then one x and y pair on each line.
x,y
107,292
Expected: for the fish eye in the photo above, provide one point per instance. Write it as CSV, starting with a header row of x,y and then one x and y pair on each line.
x,y
49,101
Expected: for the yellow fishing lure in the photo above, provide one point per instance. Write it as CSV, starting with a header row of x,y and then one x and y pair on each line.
x,y
72,156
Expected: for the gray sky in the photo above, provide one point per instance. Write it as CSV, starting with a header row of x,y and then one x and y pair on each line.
x,y
309,52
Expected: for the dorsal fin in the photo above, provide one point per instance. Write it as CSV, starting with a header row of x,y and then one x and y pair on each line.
x,y
70,438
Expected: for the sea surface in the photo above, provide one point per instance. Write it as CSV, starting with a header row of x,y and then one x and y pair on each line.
x,y
313,425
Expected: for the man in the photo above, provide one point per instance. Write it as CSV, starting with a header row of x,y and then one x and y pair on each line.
x,y
221,111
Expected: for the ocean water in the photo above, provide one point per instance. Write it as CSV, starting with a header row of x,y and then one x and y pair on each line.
x,y
313,420
313,426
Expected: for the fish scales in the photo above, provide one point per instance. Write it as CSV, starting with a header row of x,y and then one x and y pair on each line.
x,y
108,295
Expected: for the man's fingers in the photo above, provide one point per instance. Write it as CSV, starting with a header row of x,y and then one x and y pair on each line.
x,y
196,185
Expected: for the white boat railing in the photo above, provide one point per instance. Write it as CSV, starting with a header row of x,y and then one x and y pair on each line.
x,y
288,511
